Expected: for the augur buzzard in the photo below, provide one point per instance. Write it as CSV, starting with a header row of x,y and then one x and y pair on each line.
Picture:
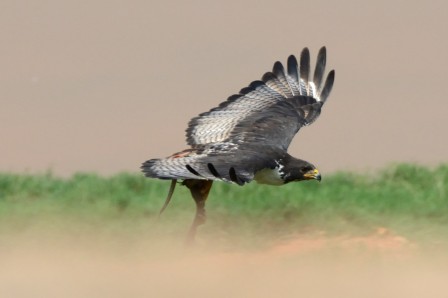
x,y
247,136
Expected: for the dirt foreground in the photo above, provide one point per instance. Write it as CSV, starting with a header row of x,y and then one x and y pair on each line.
x,y
379,265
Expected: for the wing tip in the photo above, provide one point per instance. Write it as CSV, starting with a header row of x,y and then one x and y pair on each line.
x,y
305,67
278,69
293,67
328,86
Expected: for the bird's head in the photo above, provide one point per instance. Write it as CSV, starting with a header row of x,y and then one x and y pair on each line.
x,y
299,170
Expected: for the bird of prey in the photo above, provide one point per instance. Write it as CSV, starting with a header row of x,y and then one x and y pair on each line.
x,y
247,136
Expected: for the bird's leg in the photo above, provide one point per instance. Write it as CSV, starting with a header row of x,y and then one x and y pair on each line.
x,y
199,190
170,194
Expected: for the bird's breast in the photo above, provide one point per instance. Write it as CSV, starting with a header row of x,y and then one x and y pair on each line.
x,y
269,176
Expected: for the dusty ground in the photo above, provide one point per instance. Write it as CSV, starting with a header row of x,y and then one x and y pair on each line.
x,y
379,265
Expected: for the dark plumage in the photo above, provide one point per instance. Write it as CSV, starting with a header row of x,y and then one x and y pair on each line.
x,y
246,137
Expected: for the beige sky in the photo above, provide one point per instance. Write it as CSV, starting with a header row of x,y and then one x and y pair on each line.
x,y
104,85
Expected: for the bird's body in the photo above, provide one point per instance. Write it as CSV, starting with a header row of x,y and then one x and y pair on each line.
x,y
246,137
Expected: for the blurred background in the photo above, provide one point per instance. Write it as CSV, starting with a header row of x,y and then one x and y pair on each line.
x,y
101,86
104,85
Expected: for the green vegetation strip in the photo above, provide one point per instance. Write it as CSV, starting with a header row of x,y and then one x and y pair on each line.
x,y
410,199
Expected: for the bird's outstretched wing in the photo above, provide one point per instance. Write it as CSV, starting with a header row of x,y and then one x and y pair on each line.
x,y
218,161
270,111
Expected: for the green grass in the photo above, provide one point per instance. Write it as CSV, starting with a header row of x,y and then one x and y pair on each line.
x,y
409,199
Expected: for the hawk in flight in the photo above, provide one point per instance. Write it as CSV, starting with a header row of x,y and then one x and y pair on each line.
x,y
247,136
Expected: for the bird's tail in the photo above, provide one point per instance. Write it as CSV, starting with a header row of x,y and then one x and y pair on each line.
x,y
181,165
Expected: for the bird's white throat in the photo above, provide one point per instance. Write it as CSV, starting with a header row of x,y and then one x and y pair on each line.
x,y
270,176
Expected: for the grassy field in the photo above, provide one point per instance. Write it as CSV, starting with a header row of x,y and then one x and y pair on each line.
x,y
411,200
352,235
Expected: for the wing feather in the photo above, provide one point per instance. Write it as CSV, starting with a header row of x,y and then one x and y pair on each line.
x,y
304,71
273,108
277,125
224,161
293,68
287,88
320,68
328,86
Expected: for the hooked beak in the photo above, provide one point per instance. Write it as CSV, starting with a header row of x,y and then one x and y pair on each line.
x,y
313,174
